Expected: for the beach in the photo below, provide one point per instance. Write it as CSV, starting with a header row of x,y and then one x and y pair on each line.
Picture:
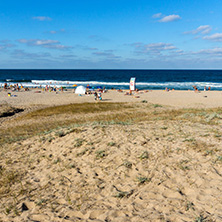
x,y
110,111
177,99
151,156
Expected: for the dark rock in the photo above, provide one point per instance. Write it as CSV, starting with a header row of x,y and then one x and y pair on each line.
x,y
24,207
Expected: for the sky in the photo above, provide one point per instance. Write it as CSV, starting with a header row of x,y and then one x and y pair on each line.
x,y
110,34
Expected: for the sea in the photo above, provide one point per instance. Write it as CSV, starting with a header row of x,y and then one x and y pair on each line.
x,y
114,79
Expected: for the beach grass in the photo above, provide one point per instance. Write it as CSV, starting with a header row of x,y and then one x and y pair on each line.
x,y
79,108
57,117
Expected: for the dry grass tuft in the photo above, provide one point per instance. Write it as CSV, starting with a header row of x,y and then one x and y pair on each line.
x,y
8,179
73,115
71,109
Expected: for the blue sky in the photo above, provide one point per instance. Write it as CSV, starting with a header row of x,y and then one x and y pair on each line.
x,y
111,34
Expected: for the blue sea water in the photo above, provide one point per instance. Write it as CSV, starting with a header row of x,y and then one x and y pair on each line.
x,y
119,79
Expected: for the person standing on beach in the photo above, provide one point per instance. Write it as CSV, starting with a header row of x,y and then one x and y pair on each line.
x,y
95,95
99,96
5,86
17,87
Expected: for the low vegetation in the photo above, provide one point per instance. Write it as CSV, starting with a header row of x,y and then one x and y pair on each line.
x,y
34,122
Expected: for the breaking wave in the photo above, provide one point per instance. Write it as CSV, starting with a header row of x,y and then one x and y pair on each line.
x,y
121,85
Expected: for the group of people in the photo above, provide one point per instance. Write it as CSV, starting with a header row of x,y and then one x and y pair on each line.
x,y
14,87
49,88
168,90
205,88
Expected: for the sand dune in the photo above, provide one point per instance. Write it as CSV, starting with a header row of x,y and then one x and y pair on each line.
x,y
161,169
145,172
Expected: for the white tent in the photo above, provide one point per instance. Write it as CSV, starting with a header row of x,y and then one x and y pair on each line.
x,y
80,90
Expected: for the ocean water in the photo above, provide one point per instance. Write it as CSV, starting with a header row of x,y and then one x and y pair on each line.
x,y
118,79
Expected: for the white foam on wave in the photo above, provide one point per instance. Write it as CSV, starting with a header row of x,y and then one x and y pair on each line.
x,y
51,82
154,84
150,85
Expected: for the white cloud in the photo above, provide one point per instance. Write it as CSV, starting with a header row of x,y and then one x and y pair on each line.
x,y
42,18
217,37
158,15
45,42
159,46
214,51
170,18
51,44
203,29
153,48
37,42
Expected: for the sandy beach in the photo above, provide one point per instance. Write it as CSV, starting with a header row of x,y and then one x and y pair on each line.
x,y
177,99
152,156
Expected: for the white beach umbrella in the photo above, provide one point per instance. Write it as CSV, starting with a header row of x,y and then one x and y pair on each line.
x,y
80,90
